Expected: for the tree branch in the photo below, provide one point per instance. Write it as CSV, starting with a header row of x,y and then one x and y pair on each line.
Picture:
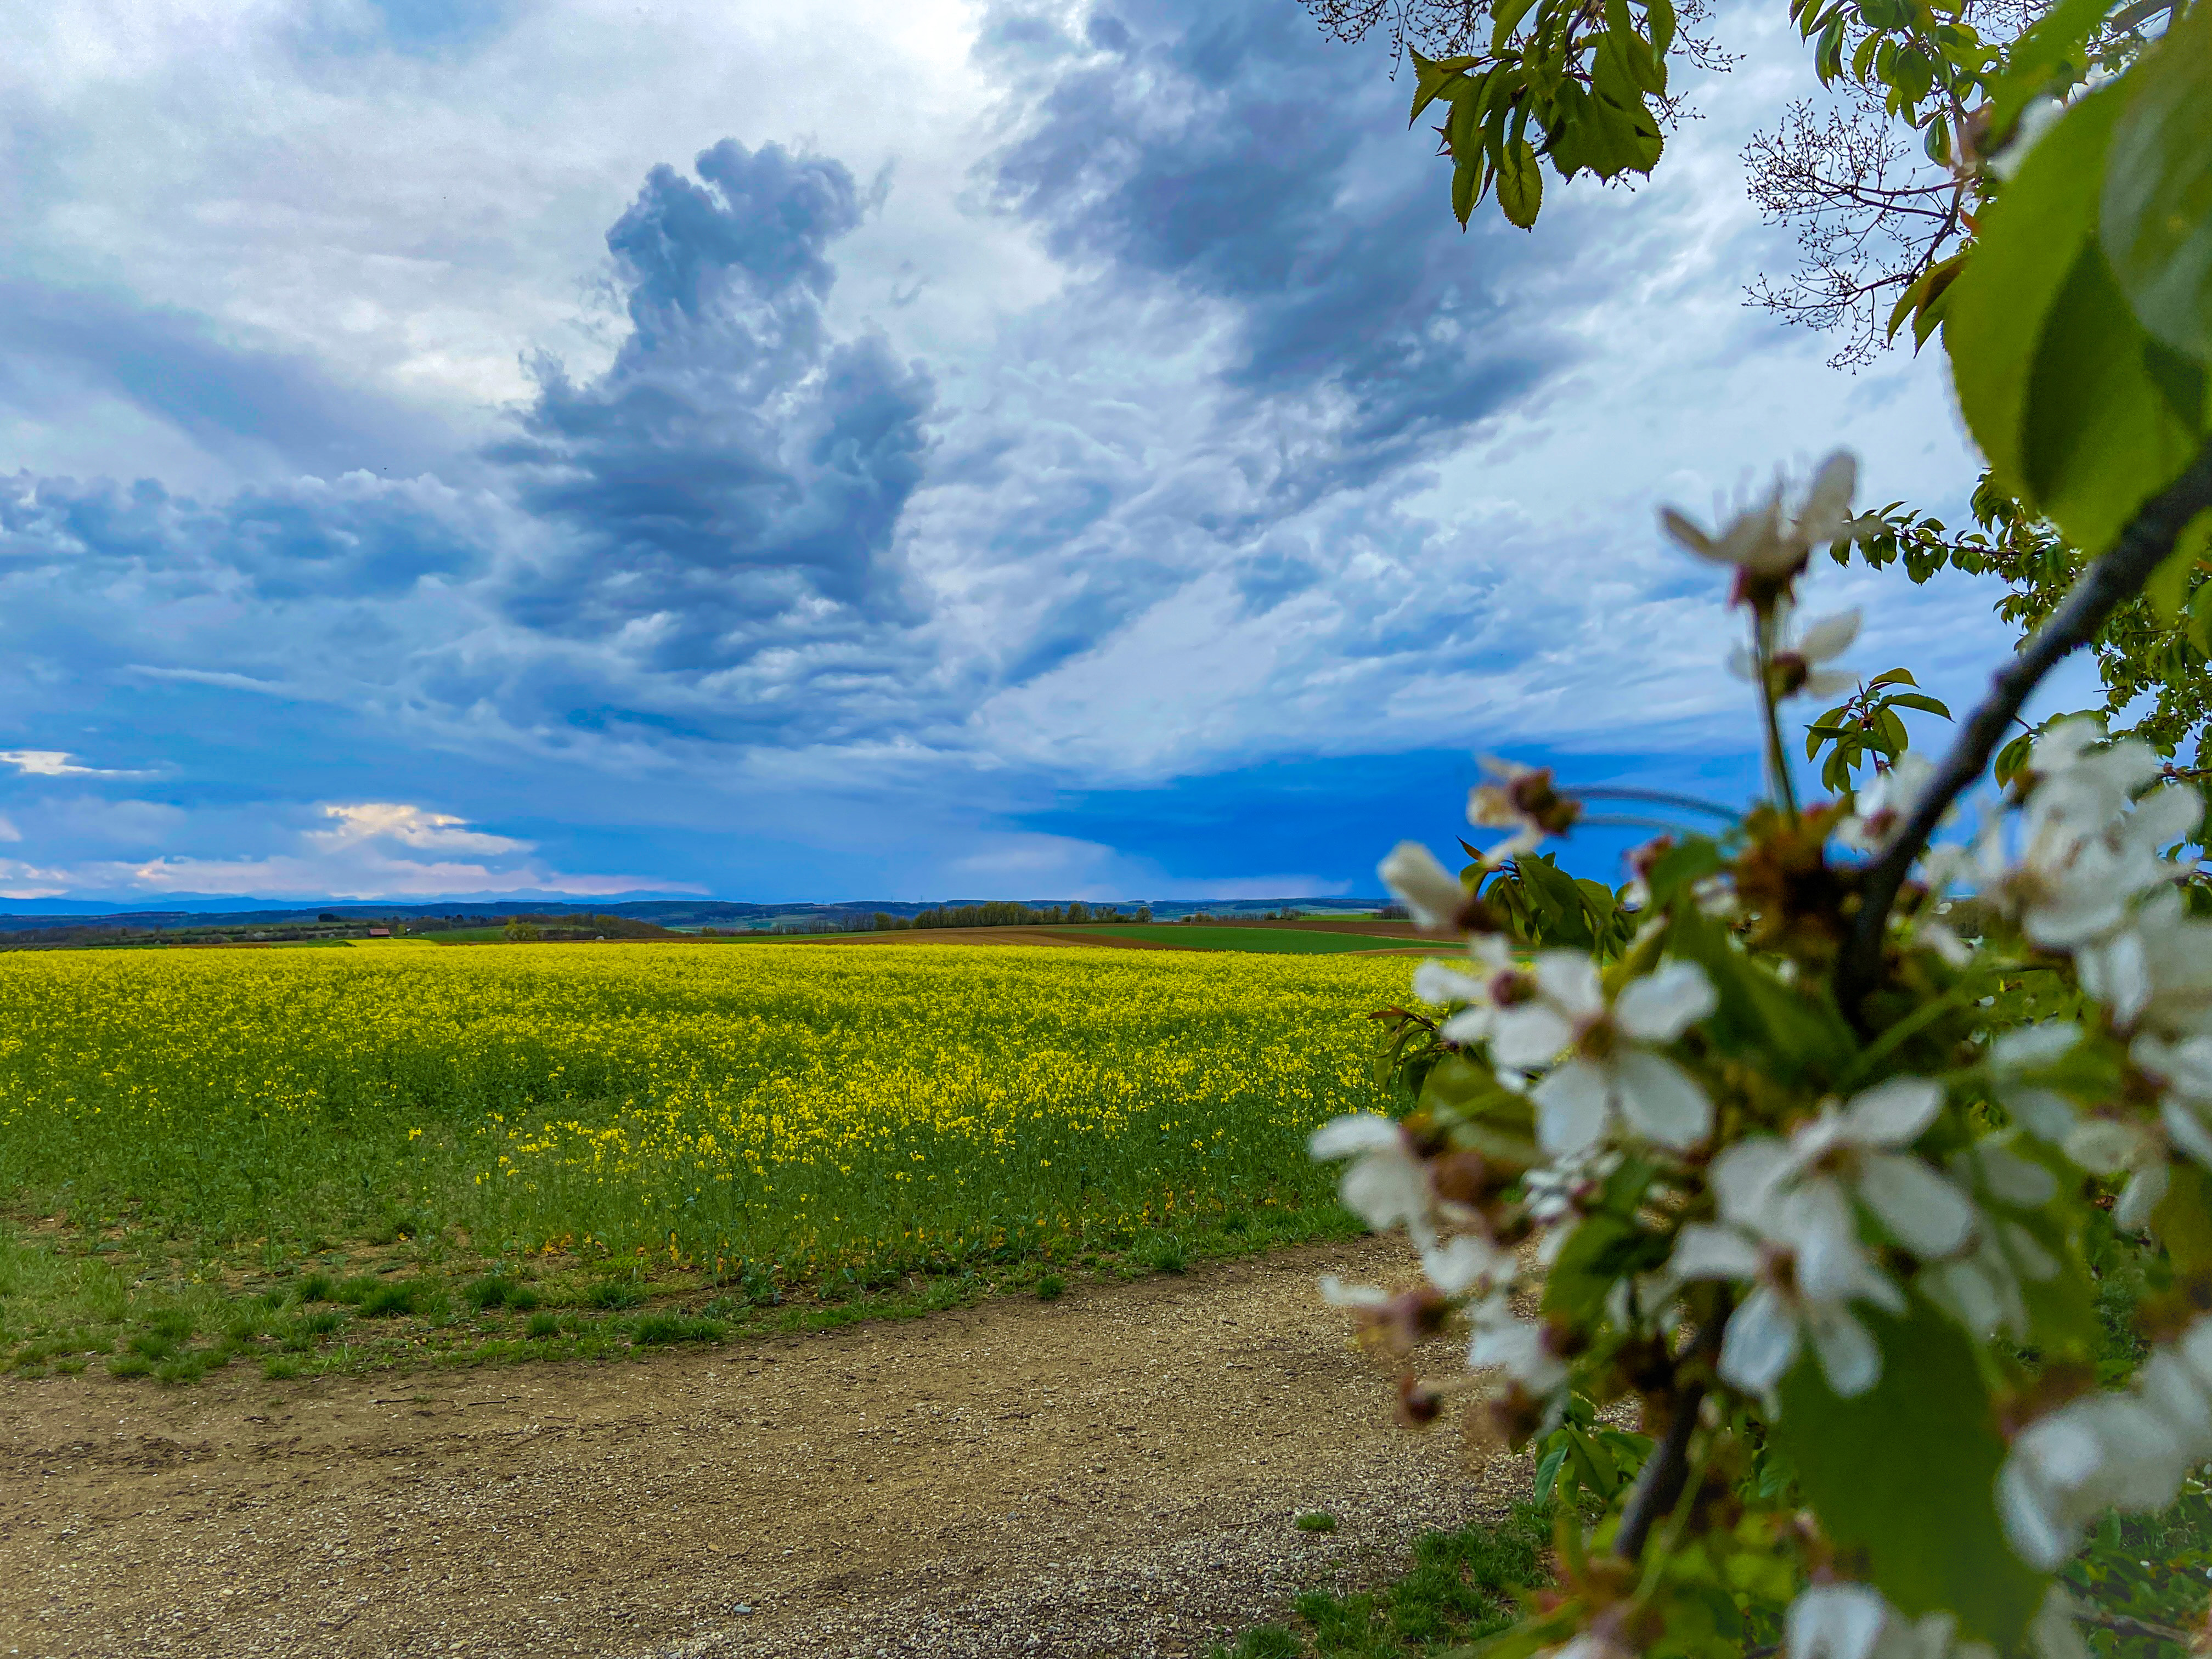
x,y
1659,1485
2114,578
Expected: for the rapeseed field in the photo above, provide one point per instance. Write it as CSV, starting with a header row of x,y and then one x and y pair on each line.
x,y
771,1110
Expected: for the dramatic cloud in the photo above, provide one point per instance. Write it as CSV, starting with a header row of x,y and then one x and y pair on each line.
x,y
735,479
1139,445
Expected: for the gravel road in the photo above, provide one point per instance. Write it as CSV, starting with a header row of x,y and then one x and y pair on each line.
x,y
1113,1474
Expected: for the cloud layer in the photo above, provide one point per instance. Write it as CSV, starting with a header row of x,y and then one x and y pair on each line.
x,y
889,513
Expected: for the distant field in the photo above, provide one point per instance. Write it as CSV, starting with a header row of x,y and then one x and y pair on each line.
x,y
1266,941
781,1115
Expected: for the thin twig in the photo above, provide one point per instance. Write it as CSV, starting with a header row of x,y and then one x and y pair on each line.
x,y
2117,577
2126,1625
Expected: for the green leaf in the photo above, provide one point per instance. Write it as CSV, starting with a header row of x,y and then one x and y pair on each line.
x,y
1892,677
2183,1220
2155,214
1794,1036
1432,77
2048,360
1689,861
1504,18
1600,1249
1520,183
2167,590
2053,51
1907,1473
1923,702
1828,51
1659,17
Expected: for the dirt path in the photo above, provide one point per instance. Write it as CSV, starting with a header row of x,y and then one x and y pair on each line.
x,y
1113,1474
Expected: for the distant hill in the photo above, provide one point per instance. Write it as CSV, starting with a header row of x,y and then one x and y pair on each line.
x,y
682,914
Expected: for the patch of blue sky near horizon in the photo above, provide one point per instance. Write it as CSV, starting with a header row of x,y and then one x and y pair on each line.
x,y
1366,487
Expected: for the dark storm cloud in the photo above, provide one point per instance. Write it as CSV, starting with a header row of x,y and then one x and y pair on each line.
x,y
1229,150
737,473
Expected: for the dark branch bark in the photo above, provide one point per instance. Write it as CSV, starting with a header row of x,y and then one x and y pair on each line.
x,y
2114,578
1659,1485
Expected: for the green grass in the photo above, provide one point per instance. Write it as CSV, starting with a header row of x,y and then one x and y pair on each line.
x,y
1461,1587
1260,941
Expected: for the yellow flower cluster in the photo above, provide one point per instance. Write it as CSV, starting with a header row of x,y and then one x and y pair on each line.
x,y
779,1103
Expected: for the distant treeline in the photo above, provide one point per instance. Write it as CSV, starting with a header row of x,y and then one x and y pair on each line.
x,y
1005,913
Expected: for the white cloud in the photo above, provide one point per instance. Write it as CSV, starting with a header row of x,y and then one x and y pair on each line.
x,y
56,763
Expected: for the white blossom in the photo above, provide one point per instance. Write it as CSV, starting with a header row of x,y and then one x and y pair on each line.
x,y
1982,1289
1387,1183
1610,1077
1796,666
2156,974
2088,848
1519,1347
1854,1152
1768,545
1521,799
1807,1267
2114,1146
2018,1060
1844,1621
1468,1263
1888,797
2125,1449
1501,984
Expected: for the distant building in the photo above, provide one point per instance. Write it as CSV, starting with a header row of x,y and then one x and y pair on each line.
x,y
380,933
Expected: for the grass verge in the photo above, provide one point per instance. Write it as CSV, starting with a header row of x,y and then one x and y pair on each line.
x,y
145,1307
1462,1586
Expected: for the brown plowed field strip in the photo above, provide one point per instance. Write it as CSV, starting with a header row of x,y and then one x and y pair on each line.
x,y
1114,1474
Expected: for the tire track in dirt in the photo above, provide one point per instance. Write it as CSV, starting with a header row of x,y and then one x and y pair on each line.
x,y
1112,1474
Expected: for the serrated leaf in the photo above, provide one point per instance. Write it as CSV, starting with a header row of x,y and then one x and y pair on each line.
x,y
1907,1473
1432,77
1892,676
1520,183
2155,213
1504,18
1659,18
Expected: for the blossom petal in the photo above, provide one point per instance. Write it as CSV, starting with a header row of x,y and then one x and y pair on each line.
x,y
1703,1252
1661,1101
1744,1178
1835,1621
1829,637
1573,1106
1456,1267
1570,979
1760,1344
1893,1114
1661,1007
1434,982
1338,1294
1849,1358
1815,1218
1431,892
2187,1130
1362,1132
2141,1197
1528,1034
1922,1211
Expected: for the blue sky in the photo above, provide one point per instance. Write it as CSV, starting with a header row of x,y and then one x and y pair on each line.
x,y
860,449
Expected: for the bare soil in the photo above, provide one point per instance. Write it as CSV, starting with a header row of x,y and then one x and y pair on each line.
x,y
1114,1474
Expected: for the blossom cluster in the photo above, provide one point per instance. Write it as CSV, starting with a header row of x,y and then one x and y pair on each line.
x,y
1714,1182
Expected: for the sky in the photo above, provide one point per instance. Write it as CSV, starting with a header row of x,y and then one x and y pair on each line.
x,y
1024,449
